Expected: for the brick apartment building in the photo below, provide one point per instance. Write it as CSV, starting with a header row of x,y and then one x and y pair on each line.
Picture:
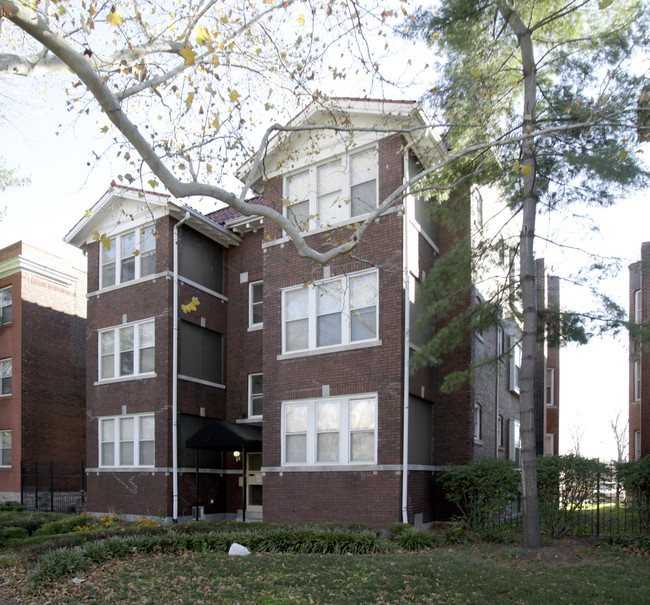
x,y
285,395
42,359
639,397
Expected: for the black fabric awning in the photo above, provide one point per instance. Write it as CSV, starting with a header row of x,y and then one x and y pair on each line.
x,y
224,435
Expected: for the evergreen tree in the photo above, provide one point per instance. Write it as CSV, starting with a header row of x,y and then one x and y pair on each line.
x,y
541,100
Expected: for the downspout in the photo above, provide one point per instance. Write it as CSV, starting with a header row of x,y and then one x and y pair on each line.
x,y
175,377
407,345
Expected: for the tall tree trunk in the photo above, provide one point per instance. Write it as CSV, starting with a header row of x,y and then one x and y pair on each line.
x,y
532,537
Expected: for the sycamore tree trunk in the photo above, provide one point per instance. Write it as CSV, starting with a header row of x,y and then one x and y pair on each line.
x,y
532,537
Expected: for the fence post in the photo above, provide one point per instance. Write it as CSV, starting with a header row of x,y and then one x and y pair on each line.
x,y
83,486
598,504
51,486
22,482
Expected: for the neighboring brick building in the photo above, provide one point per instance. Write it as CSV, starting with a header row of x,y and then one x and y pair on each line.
x,y
42,344
639,396
316,355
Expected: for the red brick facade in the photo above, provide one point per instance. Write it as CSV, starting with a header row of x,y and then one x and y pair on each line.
x,y
442,425
45,342
639,383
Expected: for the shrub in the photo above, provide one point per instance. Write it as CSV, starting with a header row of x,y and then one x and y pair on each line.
x,y
410,538
62,526
635,478
9,533
11,506
564,484
482,490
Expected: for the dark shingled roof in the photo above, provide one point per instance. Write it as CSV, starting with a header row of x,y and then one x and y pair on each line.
x,y
228,214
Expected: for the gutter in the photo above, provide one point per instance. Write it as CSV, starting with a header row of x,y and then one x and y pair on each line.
x,y
175,376
407,348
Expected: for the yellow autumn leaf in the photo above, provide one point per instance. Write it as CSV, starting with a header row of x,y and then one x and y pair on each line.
x,y
475,72
516,165
301,19
215,123
188,101
526,170
88,213
202,35
234,95
114,18
623,154
153,183
188,54
191,306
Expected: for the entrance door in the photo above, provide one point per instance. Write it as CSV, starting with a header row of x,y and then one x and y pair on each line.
x,y
254,482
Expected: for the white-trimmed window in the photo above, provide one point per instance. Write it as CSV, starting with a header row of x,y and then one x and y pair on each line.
x,y
333,191
514,449
127,350
255,304
5,306
549,387
336,430
478,422
637,445
255,395
637,307
515,364
337,311
5,448
637,380
5,376
126,257
127,440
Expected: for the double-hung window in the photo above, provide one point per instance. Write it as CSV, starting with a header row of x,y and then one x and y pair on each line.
x,y
330,431
514,449
334,191
478,422
515,365
338,311
637,380
126,440
126,257
127,350
637,307
255,395
5,376
549,387
5,448
255,304
5,306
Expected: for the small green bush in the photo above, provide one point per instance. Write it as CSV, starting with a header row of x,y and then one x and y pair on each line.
x,y
11,506
635,478
482,490
12,533
416,539
564,484
62,526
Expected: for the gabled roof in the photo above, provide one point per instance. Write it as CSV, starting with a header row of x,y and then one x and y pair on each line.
x,y
235,220
381,114
112,210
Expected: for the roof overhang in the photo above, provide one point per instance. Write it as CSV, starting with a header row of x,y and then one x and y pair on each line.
x,y
227,436
374,118
111,213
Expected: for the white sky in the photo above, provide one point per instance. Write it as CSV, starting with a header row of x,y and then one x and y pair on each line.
x,y
594,378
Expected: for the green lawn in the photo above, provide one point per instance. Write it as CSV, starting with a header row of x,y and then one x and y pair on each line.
x,y
459,574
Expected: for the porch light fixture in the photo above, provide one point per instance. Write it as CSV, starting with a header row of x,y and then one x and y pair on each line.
x,y
237,455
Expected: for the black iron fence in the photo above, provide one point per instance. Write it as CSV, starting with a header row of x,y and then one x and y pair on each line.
x,y
53,486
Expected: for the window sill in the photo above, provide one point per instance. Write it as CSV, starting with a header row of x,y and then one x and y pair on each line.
x,y
126,378
478,441
311,468
5,396
335,349
125,469
250,420
315,231
126,284
255,327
